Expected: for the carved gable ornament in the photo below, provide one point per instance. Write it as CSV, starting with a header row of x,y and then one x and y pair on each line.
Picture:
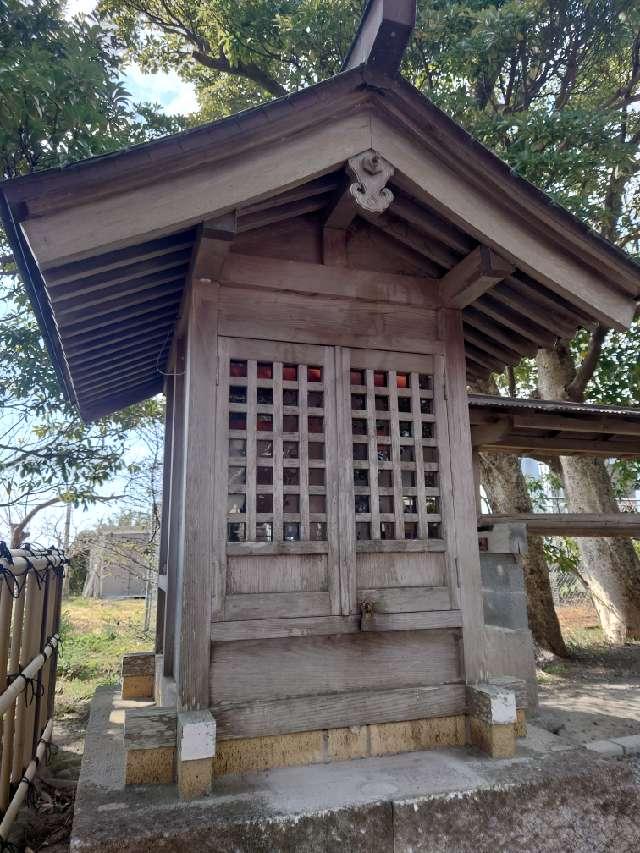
x,y
371,172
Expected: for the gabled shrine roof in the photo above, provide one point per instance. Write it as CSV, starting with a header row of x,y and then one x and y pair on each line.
x,y
105,245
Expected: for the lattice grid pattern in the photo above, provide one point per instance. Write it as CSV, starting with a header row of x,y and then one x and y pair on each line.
x,y
395,455
277,473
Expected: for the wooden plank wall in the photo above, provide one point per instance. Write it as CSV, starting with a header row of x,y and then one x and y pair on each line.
x,y
414,640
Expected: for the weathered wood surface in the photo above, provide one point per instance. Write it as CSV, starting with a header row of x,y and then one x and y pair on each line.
x,y
198,543
397,570
408,599
276,604
316,320
473,276
572,523
256,629
295,573
271,669
412,621
354,708
383,34
150,728
139,663
464,540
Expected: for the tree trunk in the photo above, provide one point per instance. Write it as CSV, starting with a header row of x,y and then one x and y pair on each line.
x,y
506,490
610,567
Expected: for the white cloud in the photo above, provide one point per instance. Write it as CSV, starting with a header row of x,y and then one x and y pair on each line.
x,y
169,90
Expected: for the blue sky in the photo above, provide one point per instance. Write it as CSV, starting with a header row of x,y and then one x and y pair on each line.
x,y
174,96
168,90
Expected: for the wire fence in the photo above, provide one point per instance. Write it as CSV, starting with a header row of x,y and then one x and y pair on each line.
x,y
30,601
567,589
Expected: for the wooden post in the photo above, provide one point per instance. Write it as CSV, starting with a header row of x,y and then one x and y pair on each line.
x,y
464,497
197,562
166,510
174,511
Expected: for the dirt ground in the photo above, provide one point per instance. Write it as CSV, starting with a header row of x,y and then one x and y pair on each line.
x,y
593,695
596,693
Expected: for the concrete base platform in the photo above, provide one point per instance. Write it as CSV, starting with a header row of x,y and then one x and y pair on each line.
x,y
551,797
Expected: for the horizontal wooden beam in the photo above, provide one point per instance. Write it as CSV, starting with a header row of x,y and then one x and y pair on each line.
x,y
563,445
317,279
319,186
138,343
571,524
282,212
382,37
326,711
127,379
473,276
579,423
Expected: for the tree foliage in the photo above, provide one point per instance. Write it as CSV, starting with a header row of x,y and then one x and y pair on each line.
x,y
60,100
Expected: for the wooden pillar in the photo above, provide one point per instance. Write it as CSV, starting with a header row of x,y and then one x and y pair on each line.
x,y
464,496
166,511
198,552
175,511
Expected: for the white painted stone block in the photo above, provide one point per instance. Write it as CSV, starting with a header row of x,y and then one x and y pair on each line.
x,y
196,735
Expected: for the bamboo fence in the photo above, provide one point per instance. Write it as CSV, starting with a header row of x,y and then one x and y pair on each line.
x,y
30,600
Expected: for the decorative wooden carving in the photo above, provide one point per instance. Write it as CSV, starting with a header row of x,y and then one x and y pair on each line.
x,y
371,173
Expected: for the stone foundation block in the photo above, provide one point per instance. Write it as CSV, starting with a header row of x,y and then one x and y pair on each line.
x,y
138,675
195,751
492,719
150,766
414,735
261,753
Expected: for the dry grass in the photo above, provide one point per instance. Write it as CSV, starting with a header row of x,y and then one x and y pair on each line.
x,y
95,635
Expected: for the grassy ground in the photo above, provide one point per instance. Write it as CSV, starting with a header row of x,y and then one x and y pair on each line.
x,y
95,635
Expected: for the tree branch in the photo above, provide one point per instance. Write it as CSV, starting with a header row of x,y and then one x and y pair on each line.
x,y
249,70
576,388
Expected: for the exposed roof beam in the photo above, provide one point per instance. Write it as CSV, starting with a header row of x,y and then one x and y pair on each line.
x,y
124,294
124,319
499,332
123,257
512,320
281,212
125,380
319,186
382,37
473,276
104,344
490,433
84,361
144,355
580,423
403,234
564,445
77,316
92,409
431,224
571,523
483,342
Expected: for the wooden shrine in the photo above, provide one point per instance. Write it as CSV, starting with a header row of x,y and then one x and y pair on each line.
x,y
311,283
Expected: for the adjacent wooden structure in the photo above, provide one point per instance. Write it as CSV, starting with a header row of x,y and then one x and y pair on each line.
x,y
311,283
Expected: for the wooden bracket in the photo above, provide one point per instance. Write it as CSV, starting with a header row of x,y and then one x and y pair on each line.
x,y
473,276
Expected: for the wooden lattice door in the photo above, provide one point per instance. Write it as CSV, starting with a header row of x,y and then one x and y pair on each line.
x,y
395,443
276,478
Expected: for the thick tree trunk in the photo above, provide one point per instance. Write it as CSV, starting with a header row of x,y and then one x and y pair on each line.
x,y
610,567
506,490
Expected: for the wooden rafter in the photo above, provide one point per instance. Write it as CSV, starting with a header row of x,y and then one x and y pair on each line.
x,y
473,276
383,35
